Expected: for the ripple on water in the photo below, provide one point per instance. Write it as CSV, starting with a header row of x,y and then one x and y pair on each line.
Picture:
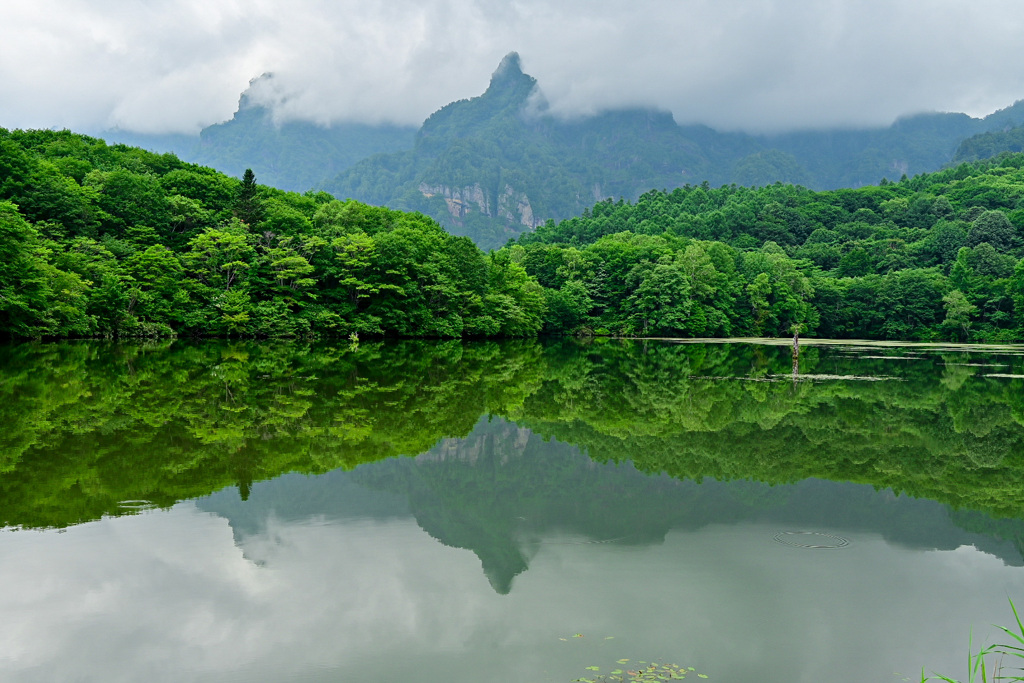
x,y
810,539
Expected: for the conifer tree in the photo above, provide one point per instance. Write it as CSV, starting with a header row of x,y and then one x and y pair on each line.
x,y
248,207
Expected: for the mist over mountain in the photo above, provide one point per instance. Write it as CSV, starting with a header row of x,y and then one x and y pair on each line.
x,y
765,66
497,165
500,164
292,155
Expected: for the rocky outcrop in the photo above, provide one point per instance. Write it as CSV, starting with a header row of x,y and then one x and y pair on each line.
x,y
460,200
515,207
512,206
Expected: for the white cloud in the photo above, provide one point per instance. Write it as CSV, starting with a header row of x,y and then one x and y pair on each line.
x,y
753,64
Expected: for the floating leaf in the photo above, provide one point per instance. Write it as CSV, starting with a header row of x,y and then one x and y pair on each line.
x,y
577,635
701,676
593,668
621,661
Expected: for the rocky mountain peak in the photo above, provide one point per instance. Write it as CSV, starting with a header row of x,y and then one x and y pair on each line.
x,y
509,77
509,67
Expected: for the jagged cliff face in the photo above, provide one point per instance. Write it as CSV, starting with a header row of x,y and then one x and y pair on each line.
x,y
511,206
512,439
470,125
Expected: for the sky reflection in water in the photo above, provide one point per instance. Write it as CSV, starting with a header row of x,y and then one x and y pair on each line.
x,y
482,558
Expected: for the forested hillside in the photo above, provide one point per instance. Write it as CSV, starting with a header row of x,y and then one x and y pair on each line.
x,y
987,145
497,165
494,166
112,241
933,257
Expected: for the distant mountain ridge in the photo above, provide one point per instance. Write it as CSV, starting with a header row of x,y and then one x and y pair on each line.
x,y
497,165
294,155
291,155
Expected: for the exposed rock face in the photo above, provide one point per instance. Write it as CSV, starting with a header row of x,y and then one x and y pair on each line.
x,y
460,200
512,206
515,207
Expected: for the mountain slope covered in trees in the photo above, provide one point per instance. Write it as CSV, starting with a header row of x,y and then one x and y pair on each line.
x,y
290,155
495,166
498,165
985,145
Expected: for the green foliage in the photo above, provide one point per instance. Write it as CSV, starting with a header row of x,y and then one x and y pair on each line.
x,y
985,145
244,259
978,662
870,263
25,294
117,242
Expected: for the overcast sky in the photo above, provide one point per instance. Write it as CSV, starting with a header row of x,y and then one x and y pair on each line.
x,y
179,65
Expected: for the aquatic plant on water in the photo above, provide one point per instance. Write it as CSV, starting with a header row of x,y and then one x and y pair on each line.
x,y
639,672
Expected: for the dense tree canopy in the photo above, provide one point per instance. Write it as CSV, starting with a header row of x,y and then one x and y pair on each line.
x,y
99,240
933,257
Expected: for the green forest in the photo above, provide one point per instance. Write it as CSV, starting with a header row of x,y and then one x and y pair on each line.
x,y
934,257
113,241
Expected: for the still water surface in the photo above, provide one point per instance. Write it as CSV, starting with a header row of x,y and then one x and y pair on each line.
x,y
224,512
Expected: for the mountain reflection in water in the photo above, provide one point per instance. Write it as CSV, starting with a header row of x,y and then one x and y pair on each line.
x,y
503,491
633,491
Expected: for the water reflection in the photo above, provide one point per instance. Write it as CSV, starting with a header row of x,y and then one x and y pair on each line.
x,y
333,577
89,427
504,492
633,493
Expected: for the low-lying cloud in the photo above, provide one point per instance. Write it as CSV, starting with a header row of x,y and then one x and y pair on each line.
x,y
178,65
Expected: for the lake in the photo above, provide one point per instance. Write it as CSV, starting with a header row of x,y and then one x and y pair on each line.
x,y
516,511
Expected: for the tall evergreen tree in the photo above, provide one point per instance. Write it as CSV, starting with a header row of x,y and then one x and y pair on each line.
x,y
248,207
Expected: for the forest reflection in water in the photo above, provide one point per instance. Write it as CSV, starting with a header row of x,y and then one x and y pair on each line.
x,y
581,476
93,430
